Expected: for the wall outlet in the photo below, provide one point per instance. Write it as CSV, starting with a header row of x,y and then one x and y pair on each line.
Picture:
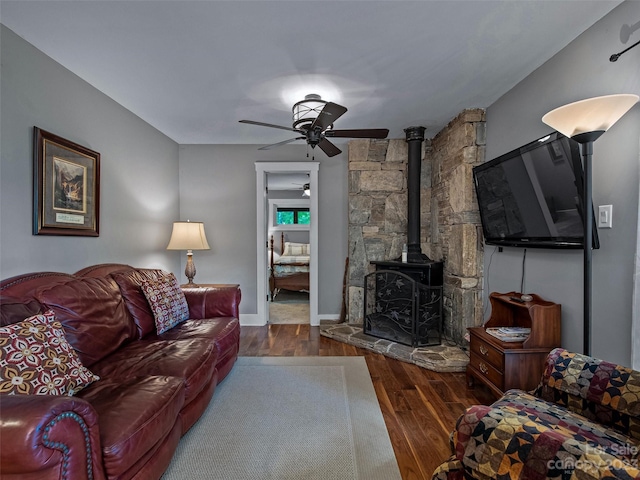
x,y
605,213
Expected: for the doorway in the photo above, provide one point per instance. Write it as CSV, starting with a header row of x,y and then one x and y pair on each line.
x,y
290,218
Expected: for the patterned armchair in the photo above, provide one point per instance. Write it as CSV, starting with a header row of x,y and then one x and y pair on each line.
x,y
581,422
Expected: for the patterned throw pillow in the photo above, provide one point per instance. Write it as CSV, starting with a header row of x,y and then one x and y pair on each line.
x,y
167,302
37,359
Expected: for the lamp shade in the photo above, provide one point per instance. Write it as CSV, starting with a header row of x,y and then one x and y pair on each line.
x,y
596,114
188,236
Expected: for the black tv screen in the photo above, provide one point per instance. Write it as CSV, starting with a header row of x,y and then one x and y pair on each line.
x,y
532,196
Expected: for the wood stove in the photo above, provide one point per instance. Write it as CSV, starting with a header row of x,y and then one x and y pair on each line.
x,y
403,300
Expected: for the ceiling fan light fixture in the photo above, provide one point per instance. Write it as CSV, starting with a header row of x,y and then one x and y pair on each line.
x,y
307,110
313,120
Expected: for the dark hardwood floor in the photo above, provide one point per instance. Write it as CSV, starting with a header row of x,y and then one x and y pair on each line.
x,y
419,406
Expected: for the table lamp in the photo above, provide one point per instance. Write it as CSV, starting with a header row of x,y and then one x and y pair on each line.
x,y
188,236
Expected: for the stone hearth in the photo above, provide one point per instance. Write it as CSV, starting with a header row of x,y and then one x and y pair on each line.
x,y
439,358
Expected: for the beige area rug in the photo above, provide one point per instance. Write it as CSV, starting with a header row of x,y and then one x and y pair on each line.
x,y
290,418
290,308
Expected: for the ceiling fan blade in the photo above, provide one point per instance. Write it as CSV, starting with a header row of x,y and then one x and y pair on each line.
x,y
329,148
262,124
273,145
329,114
359,133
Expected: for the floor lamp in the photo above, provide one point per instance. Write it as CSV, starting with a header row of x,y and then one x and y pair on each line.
x,y
585,121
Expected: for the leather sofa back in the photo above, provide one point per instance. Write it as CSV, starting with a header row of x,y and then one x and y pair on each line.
x,y
13,310
91,309
23,286
93,315
137,304
103,269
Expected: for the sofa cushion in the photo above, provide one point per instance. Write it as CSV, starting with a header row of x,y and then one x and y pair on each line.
x,y
224,332
507,442
93,315
135,415
191,360
559,418
13,310
130,285
36,359
167,302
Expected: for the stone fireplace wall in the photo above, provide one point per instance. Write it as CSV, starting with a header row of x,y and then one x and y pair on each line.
x,y
377,210
450,223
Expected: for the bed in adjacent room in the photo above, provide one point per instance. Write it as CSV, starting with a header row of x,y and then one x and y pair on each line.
x,y
289,271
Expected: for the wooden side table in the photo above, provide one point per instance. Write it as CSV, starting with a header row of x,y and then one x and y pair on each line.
x,y
504,365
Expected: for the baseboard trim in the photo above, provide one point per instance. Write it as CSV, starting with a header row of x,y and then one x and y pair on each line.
x,y
254,320
251,320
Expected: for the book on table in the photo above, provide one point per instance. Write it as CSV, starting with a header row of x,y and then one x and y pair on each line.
x,y
509,334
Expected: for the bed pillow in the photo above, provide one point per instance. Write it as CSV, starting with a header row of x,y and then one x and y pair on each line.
x,y
167,302
37,359
295,249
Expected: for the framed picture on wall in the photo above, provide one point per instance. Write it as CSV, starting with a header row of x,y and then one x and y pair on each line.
x,y
66,187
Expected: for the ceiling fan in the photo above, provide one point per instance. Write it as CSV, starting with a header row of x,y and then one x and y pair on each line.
x,y
313,120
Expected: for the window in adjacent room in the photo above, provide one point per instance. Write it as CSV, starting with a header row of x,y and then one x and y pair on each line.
x,y
289,214
292,216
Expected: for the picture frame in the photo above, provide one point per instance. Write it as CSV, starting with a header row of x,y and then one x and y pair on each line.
x,y
66,187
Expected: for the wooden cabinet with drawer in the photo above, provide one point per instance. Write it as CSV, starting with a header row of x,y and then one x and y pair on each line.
x,y
504,365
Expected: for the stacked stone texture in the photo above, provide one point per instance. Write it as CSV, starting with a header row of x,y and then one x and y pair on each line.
x,y
456,237
448,213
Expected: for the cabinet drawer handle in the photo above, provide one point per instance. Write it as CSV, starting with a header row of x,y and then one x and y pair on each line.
x,y
483,368
483,350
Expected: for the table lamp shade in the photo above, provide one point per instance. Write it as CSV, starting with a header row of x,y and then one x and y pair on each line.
x,y
188,236
596,114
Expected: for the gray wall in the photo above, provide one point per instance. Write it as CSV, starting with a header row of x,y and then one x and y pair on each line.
x,y
147,182
217,187
579,71
139,169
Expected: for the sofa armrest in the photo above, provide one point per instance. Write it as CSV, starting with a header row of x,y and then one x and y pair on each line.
x,y
452,469
601,391
211,302
45,436
508,443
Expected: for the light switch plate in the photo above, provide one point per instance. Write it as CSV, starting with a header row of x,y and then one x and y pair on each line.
x,y
605,213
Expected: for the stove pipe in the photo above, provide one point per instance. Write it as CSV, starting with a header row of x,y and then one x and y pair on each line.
x,y
415,137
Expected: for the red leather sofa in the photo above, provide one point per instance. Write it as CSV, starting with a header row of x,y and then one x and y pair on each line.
x,y
152,387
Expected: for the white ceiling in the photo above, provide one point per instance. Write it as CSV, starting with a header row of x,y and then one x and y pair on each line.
x,y
192,69
286,181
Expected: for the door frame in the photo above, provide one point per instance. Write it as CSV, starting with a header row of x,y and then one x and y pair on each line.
x,y
262,220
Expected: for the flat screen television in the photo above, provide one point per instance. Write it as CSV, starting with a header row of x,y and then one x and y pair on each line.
x,y
532,196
